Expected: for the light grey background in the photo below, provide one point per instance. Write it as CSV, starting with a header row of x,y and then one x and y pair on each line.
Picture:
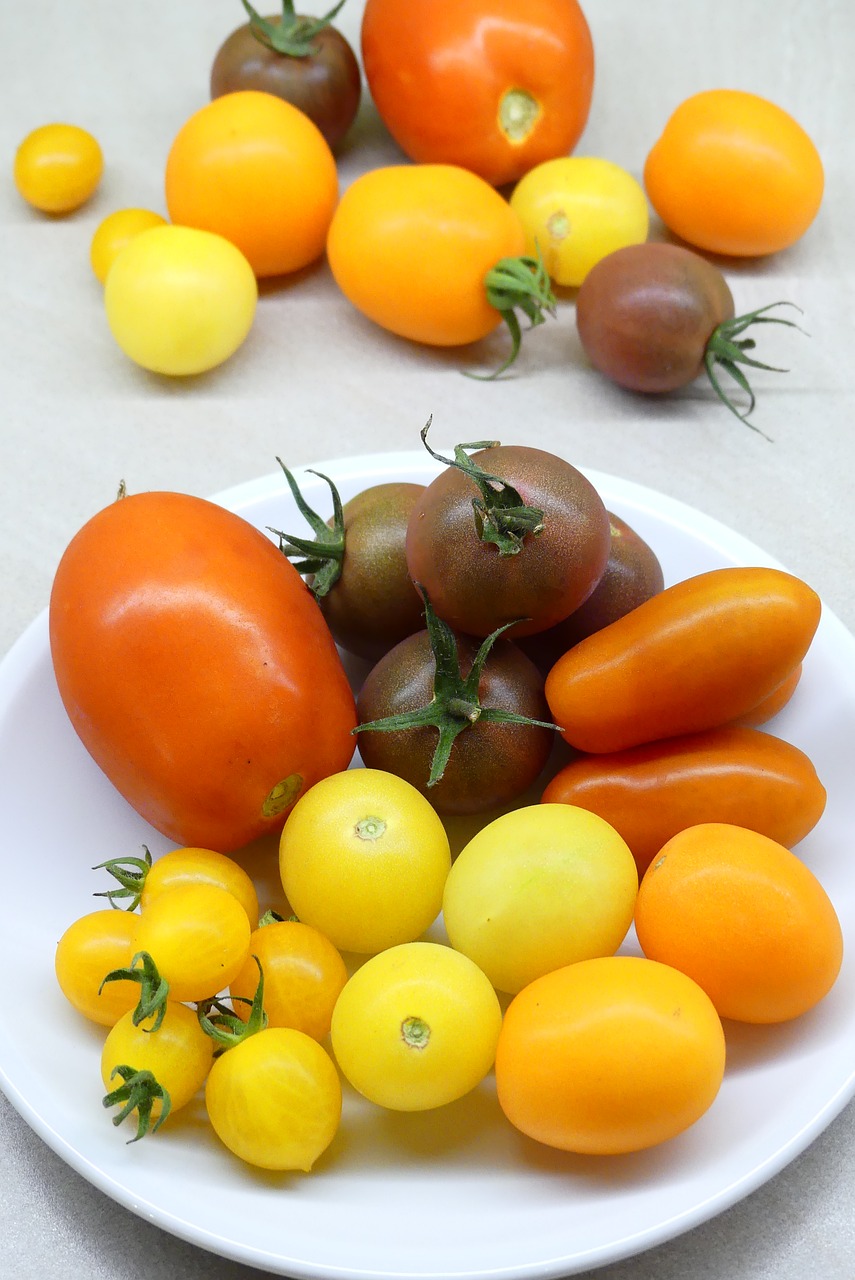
x,y
316,381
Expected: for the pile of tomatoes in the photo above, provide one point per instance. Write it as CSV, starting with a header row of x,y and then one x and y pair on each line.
x,y
476,227
516,636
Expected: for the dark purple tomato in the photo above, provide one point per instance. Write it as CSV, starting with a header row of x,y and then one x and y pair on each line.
x,y
303,60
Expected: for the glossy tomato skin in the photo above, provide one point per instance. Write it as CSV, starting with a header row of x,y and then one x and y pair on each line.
x,y
490,764
410,246
494,86
731,774
325,84
475,589
699,654
646,312
196,668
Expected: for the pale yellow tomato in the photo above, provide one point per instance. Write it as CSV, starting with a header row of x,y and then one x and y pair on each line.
x,y
577,210
114,232
57,167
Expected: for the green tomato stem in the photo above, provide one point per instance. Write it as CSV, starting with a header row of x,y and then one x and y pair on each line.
x,y
138,1092
518,284
224,1026
131,875
726,351
154,990
291,36
320,558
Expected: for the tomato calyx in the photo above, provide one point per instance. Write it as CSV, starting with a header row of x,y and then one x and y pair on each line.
x,y
415,1033
224,1026
725,350
501,516
154,989
290,35
518,283
320,557
455,704
138,1092
131,875
518,114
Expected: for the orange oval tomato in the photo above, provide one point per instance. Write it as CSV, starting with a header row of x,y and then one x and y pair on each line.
x,y
699,654
491,85
256,170
410,246
609,1055
732,774
733,173
774,702
196,668
745,918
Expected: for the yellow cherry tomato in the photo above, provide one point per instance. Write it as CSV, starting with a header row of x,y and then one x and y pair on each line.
x,y
198,936
180,301
57,167
200,866
91,947
303,975
577,210
117,230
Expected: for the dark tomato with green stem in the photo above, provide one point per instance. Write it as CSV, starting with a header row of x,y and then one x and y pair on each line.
x,y
510,534
304,60
654,317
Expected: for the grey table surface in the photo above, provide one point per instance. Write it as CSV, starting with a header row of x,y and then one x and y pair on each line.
x,y
318,382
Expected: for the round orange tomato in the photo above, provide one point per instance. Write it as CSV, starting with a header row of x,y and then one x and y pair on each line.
x,y
734,174
491,85
256,170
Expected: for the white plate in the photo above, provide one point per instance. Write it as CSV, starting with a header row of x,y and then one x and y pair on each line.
x,y
455,1193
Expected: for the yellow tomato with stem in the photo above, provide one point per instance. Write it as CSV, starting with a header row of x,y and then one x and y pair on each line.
x,y
303,975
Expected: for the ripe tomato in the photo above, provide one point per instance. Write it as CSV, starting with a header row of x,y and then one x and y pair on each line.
x,y
198,936
734,174
773,702
89,949
422,249
218,694
416,1027
538,888
57,167
697,655
274,1099
609,1055
486,84
363,859
256,170
576,210
200,866
303,975
114,232
731,774
745,918
180,301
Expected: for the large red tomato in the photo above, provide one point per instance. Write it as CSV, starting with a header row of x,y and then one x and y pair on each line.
x,y
491,85
196,668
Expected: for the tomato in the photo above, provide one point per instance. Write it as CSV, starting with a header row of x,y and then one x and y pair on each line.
x,y
578,209
745,918
256,170
538,888
773,702
180,301
200,866
58,167
432,253
306,61
198,936
608,1056
303,975
363,859
485,84
357,565
510,534
697,655
731,774
632,575
733,173
114,232
88,950
416,1027
219,694
654,317
155,1073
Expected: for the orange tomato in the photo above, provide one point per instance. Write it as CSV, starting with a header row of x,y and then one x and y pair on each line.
x,y
773,702
491,85
733,173
699,654
608,1056
303,975
745,918
256,170
732,774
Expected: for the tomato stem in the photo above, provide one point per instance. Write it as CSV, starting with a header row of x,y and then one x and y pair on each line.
x,y
131,874
322,556
289,35
725,350
154,990
138,1092
518,283
224,1026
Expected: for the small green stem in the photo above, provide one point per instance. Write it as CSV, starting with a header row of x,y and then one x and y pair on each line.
x,y
224,1026
138,1092
131,875
321,558
291,36
154,990
726,351
518,284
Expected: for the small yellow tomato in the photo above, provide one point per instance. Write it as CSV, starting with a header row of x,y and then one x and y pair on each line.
x,y
198,936
200,866
577,210
114,232
180,301
58,167
303,975
91,947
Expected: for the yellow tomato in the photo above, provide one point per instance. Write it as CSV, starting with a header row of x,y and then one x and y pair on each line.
x,y
117,230
577,210
58,167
